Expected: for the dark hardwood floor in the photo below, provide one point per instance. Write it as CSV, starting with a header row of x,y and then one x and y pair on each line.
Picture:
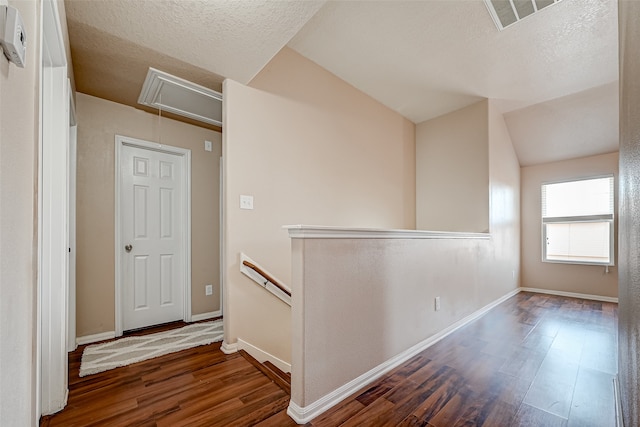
x,y
535,360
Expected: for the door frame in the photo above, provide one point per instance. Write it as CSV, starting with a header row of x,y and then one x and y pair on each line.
x,y
71,222
52,222
120,143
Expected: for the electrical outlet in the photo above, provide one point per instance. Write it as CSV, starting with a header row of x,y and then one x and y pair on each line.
x,y
246,202
437,304
208,290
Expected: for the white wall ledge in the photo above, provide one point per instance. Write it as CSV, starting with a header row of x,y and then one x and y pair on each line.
x,y
330,232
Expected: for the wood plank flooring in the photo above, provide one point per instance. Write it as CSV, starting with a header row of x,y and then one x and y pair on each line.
x,y
535,360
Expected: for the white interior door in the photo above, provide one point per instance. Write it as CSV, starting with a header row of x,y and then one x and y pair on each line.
x,y
152,237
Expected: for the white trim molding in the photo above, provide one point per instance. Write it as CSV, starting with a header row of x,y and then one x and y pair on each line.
x,y
303,415
120,142
206,316
51,328
570,294
262,356
227,348
90,339
325,232
617,401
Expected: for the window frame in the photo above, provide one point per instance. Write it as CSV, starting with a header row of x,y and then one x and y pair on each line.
x,y
609,218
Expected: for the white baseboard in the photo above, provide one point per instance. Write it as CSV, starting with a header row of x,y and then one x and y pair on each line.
x,y
570,294
89,339
618,402
205,316
227,348
303,415
66,392
262,356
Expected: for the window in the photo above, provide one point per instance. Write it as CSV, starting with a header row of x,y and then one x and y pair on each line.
x,y
577,221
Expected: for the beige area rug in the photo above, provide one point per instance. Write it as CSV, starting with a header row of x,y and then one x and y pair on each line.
x,y
102,357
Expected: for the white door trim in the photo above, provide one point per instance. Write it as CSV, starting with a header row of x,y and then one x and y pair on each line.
x,y
52,281
71,221
120,142
221,233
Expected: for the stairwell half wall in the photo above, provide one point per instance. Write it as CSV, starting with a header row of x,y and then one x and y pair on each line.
x,y
310,149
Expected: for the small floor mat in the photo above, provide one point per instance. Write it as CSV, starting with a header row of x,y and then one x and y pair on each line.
x,y
124,351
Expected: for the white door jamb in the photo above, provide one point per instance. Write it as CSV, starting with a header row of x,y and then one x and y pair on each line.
x,y
52,283
71,220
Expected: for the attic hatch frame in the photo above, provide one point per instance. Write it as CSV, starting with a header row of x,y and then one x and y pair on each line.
x,y
512,11
157,81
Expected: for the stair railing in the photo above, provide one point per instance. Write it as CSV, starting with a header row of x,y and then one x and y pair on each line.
x,y
265,279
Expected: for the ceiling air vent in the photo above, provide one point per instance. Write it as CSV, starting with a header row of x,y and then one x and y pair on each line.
x,y
508,12
173,94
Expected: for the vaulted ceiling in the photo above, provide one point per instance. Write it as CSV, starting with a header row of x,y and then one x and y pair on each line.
x,y
554,73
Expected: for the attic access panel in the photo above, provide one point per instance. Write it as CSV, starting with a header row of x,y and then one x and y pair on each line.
x,y
179,96
508,12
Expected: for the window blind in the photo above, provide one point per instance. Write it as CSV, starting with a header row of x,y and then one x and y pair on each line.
x,y
577,221
585,197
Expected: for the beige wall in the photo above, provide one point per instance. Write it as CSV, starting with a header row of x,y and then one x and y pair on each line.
x,y
585,279
359,302
452,171
504,196
629,257
98,123
311,149
18,210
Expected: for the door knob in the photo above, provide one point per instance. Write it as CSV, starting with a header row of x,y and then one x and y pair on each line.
x,y
128,248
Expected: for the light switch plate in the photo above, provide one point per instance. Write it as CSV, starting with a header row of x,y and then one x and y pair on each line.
x,y
208,146
208,290
246,202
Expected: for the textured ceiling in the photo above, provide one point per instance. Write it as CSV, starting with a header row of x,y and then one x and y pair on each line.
x,y
427,58
114,42
231,38
585,123
420,58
